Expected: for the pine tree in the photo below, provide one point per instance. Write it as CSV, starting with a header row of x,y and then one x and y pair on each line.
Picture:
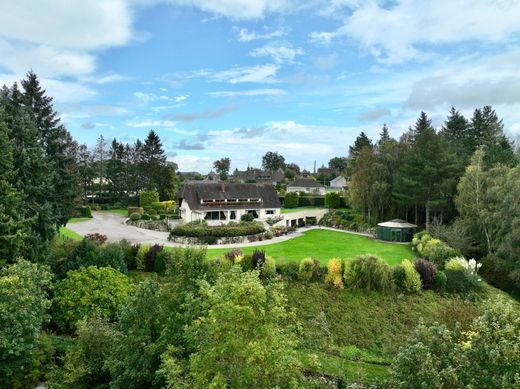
x,y
361,142
115,172
59,147
13,225
154,160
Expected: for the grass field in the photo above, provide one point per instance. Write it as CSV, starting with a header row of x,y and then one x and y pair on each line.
x,y
65,233
123,212
78,219
325,244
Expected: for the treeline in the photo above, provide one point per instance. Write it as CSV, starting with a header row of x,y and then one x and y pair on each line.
x,y
415,178
38,171
118,172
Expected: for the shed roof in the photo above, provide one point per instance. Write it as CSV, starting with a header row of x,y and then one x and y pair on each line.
x,y
397,223
305,183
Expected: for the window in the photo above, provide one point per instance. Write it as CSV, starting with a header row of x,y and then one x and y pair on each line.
x,y
232,215
269,212
253,212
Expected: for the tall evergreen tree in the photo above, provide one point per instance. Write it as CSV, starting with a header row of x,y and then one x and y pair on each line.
x,y
115,172
59,147
154,160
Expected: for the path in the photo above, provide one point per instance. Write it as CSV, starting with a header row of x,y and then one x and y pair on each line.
x,y
112,225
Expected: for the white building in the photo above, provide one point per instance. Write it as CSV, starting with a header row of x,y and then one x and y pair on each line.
x,y
219,202
307,185
339,182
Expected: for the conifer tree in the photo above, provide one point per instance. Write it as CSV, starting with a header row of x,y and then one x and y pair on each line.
x,y
154,160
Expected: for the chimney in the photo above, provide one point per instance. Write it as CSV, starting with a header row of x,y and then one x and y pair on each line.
x,y
222,187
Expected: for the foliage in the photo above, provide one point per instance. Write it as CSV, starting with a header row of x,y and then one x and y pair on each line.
x,y
86,291
98,238
150,257
368,272
345,220
222,167
247,336
289,270
199,230
437,252
24,289
334,275
273,161
306,269
233,254
138,210
332,200
440,280
485,356
135,217
406,277
268,270
247,217
140,256
461,279
427,272
291,200
147,198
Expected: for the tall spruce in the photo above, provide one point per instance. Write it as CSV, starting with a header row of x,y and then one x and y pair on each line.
x,y
154,160
59,147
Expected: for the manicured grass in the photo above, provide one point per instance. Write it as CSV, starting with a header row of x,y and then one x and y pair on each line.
x,y
78,219
65,233
298,209
123,212
326,244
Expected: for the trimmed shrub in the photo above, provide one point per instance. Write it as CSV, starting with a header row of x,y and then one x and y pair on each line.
x,y
368,272
412,279
140,256
152,212
334,275
291,200
138,210
399,276
147,198
440,280
145,216
289,270
332,200
268,269
427,271
247,217
245,261
199,230
435,250
111,255
306,269
87,212
135,216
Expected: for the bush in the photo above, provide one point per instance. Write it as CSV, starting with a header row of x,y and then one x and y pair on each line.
x,y
291,200
161,260
247,217
432,249
268,269
427,271
332,200
140,257
399,276
440,280
98,238
151,256
233,254
88,290
406,277
145,216
289,270
147,198
199,230
245,261
258,259
305,269
135,216
138,210
461,278
368,272
111,255
334,275
87,212
152,212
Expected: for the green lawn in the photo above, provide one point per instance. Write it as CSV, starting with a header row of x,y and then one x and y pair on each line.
x,y
325,244
298,209
65,233
123,212
78,219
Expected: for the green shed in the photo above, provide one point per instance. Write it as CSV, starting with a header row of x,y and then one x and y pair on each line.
x,y
396,230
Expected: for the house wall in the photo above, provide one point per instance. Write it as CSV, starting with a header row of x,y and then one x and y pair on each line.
x,y
316,191
340,183
188,215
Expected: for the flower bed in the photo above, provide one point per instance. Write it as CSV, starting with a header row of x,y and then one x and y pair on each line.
x,y
208,234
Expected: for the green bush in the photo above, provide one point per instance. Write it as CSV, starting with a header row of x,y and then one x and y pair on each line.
x,y
268,269
291,200
152,212
332,200
147,198
138,210
200,230
368,272
135,217
289,270
306,269
437,251
412,281
247,217
145,216
140,257
90,289
462,281
87,212
334,275
440,280
245,261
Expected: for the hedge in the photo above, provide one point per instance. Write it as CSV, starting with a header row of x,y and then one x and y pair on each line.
x,y
147,198
291,200
202,230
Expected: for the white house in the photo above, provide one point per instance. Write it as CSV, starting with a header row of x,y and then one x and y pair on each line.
x,y
339,182
307,185
219,202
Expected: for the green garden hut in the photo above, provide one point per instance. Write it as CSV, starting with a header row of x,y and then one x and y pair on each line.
x,y
396,230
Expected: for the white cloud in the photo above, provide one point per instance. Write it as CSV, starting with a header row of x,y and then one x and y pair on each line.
x,y
253,74
145,98
244,35
326,62
398,33
193,163
251,92
180,99
280,52
150,123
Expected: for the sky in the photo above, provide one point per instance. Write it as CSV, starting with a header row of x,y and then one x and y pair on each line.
x,y
238,78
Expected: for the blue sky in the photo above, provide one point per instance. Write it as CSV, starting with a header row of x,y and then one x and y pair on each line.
x,y
239,78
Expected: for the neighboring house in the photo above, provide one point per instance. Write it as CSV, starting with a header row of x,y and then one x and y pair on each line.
x,y
339,182
212,176
258,176
307,185
221,202
325,170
